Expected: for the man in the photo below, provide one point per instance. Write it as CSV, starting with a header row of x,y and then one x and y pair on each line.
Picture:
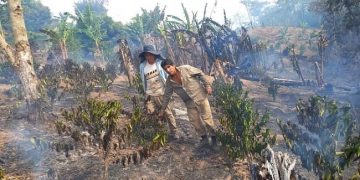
x,y
153,79
193,88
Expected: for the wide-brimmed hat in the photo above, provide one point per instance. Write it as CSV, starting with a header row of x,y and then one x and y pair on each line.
x,y
150,49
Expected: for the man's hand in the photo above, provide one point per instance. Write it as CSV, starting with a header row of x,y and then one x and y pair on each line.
x,y
208,90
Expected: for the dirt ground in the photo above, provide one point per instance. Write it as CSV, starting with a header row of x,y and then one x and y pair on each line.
x,y
182,159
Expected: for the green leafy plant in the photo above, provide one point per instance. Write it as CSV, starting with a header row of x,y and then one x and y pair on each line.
x,y
243,132
95,117
149,130
324,126
96,123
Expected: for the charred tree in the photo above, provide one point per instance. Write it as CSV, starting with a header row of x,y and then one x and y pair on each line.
x,y
168,47
203,42
295,64
321,46
218,71
20,56
319,75
278,165
125,58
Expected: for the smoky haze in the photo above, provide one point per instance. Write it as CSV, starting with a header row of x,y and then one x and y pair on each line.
x,y
286,54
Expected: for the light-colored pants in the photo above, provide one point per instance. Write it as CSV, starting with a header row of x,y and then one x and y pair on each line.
x,y
200,117
154,103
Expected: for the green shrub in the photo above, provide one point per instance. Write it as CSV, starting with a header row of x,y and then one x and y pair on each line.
x,y
148,130
324,128
95,117
243,130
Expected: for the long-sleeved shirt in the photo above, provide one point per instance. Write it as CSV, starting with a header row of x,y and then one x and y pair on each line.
x,y
194,82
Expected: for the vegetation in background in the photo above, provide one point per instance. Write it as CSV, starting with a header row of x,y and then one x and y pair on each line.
x,y
243,130
273,89
50,79
341,22
63,38
37,16
286,13
89,25
145,23
77,79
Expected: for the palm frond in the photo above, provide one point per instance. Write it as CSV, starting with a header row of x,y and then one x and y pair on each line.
x,y
188,23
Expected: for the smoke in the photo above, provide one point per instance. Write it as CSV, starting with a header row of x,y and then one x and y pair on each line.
x,y
26,150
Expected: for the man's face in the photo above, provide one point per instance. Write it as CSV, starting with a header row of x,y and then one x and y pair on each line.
x,y
150,58
170,69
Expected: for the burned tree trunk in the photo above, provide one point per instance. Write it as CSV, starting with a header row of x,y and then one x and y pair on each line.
x,y
168,47
295,64
321,46
270,163
279,167
98,55
203,42
22,58
125,58
63,48
318,74
286,166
